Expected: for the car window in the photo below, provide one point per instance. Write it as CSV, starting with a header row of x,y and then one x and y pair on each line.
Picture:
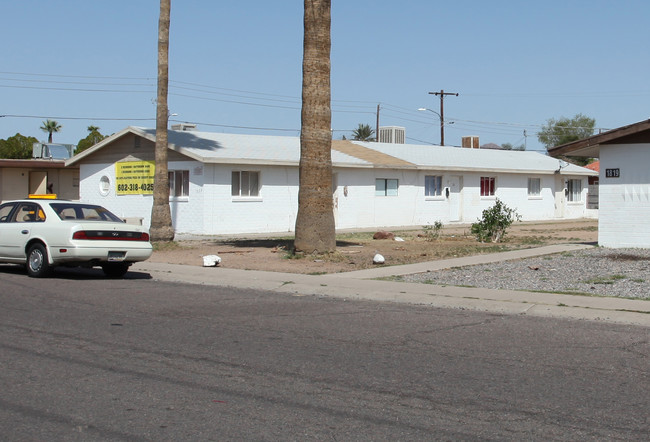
x,y
5,211
28,213
83,212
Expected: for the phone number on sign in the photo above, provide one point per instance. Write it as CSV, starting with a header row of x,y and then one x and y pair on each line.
x,y
144,187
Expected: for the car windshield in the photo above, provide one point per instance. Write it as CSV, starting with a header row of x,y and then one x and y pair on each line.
x,y
83,212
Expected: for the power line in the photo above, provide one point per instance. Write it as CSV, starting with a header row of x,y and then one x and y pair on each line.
x,y
248,98
74,89
52,117
78,76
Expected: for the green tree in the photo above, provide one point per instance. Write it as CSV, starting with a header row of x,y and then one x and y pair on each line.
x,y
50,126
363,133
565,130
315,231
161,217
94,137
17,147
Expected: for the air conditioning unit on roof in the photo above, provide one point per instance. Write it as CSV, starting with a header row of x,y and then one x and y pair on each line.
x,y
471,142
392,134
184,126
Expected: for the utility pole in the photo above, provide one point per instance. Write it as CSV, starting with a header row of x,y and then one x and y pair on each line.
x,y
525,139
377,131
442,94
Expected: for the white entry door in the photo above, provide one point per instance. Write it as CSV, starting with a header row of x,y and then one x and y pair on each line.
x,y
455,197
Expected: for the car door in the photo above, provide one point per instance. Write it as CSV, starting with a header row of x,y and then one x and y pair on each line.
x,y
5,229
16,229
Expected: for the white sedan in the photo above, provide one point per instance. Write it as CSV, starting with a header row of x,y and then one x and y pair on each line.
x,y
44,233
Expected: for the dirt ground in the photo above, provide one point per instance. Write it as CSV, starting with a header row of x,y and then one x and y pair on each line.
x,y
355,251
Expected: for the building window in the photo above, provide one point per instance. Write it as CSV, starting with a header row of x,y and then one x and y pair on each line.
x,y
574,191
179,183
245,183
488,185
386,187
432,185
534,187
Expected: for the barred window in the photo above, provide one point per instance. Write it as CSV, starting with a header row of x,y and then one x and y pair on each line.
x,y
488,185
574,191
179,183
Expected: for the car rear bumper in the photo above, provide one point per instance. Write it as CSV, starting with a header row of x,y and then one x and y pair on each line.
x,y
94,255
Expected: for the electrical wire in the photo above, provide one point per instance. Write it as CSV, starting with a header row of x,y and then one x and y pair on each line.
x,y
256,99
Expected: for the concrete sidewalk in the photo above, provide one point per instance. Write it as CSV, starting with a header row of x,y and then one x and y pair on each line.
x,y
358,285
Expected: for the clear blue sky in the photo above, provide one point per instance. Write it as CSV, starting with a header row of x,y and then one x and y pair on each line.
x,y
236,66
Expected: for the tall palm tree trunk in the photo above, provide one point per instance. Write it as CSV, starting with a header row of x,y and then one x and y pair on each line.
x,y
315,229
161,219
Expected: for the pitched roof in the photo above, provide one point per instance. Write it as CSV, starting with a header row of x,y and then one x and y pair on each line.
x,y
209,147
479,160
368,154
590,147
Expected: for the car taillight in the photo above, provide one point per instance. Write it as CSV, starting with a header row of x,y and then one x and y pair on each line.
x,y
80,235
110,235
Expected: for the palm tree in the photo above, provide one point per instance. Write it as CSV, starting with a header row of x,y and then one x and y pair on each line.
x,y
50,126
161,220
315,229
363,133
94,135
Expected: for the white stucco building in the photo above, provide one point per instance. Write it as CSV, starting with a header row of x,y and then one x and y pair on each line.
x,y
228,184
624,182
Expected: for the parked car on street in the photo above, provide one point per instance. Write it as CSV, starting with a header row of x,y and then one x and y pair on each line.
x,y
43,233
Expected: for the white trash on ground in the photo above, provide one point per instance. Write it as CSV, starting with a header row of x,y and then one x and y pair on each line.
x,y
211,261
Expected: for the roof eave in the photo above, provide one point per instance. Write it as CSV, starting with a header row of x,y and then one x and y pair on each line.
x,y
101,144
590,147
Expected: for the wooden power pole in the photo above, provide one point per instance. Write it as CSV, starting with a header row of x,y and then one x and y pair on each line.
x,y
442,94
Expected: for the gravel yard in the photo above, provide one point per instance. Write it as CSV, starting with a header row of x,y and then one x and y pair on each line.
x,y
606,272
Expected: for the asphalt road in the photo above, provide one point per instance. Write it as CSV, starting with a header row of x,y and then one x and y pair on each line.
x,y
86,358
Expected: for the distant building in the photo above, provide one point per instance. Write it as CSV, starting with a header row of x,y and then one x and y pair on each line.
x,y
20,178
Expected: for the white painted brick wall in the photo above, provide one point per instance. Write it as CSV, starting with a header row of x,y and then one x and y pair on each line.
x,y
125,206
210,208
624,212
273,211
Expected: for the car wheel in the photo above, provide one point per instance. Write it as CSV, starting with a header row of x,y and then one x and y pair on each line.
x,y
115,270
37,263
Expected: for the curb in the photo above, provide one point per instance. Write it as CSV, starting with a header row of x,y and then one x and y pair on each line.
x,y
358,285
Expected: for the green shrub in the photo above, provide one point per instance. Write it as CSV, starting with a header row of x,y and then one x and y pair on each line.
x,y
432,232
495,222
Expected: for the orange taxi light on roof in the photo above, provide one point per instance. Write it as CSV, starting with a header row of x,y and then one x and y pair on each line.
x,y
48,196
